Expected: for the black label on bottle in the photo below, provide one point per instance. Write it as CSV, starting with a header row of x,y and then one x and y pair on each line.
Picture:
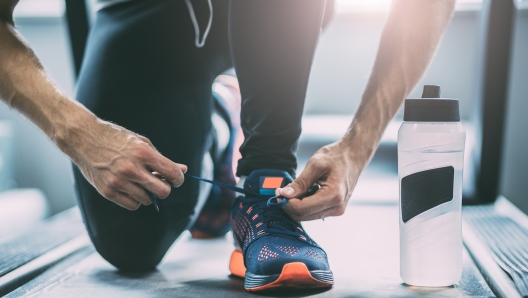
x,y
425,190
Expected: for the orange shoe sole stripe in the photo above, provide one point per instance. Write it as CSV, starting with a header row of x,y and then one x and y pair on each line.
x,y
294,276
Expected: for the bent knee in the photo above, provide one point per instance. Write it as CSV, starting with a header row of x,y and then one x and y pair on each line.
x,y
129,254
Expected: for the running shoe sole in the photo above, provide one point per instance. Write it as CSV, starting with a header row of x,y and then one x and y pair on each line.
x,y
294,275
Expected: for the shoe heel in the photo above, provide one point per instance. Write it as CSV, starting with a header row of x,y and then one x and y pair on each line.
x,y
236,264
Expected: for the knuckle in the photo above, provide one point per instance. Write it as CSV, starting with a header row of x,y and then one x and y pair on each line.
x,y
314,161
115,182
106,192
338,199
301,184
145,140
318,163
141,150
164,192
321,152
145,200
174,175
340,210
128,170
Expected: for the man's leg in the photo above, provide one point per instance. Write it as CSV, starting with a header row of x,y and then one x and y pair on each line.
x,y
143,71
273,44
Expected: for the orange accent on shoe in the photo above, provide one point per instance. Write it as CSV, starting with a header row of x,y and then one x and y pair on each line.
x,y
294,276
240,205
236,264
258,225
260,232
249,210
300,229
254,217
272,182
302,237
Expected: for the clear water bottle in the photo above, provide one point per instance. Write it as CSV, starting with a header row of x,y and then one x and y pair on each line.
x,y
430,162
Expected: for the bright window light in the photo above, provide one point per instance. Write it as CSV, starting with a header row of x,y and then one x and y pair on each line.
x,y
384,5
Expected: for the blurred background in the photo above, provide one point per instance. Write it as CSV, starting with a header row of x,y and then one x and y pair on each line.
x,y
35,177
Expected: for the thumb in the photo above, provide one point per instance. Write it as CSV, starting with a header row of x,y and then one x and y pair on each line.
x,y
301,185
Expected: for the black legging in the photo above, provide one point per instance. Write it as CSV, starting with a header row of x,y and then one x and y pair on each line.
x,y
143,71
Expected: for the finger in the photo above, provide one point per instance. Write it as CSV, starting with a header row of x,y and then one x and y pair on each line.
x,y
144,139
124,200
323,199
154,183
334,211
135,192
300,186
310,191
159,176
182,167
172,171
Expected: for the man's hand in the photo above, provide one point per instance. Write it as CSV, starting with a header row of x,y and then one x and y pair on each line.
x,y
119,163
336,170
408,42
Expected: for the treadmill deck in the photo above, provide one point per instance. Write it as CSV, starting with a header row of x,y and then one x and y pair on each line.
x,y
362,245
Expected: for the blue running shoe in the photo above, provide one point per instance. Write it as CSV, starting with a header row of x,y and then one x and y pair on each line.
x,y
275,251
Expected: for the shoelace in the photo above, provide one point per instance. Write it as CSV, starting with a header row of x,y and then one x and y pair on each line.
x,y
273,201
272,214
271,208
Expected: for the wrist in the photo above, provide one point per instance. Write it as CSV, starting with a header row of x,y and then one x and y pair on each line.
x,y
68,129
360,142
356,153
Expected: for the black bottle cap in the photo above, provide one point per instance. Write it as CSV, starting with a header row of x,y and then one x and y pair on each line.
x,y
431,107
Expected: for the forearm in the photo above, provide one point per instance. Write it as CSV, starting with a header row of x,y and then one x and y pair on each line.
x,y
408,42
25,87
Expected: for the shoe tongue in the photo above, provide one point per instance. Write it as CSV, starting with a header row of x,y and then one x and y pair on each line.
x,y
266,181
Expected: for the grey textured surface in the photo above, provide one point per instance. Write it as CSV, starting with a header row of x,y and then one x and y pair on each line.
x,y
363,248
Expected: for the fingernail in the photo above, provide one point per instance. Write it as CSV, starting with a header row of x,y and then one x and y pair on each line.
x,y
288,191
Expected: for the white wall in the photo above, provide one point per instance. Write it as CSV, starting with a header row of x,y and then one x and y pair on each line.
x,y
346,54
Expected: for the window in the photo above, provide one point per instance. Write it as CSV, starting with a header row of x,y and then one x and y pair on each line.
x,y
384,5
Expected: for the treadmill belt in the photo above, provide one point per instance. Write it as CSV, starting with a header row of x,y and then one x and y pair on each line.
x,y
41,238
507,241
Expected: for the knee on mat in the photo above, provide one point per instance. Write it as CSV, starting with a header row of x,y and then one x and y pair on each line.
x,y
130,257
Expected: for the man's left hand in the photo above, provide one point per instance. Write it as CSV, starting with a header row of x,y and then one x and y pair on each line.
x,y
336,169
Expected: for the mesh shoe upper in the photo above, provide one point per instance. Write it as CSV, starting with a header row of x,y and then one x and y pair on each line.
x,y
269,238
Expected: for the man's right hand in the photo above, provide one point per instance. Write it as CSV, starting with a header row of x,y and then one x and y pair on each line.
x,y
120,163
117,162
